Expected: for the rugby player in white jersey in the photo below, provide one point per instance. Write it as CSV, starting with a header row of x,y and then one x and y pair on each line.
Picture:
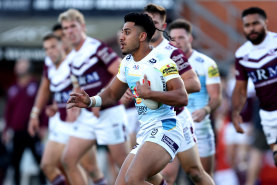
x,y
257,59
160,132
191,165
93,64
202,103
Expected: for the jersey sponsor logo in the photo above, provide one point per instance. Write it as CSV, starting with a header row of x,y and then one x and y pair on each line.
x,y
152,61
172,145
62,97
213,72
169,69
88,78
263,74
141,109
199,59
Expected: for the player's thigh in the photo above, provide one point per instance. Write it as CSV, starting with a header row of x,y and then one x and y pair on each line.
x,y
170,172
150,159
52,153
189,158
120,180
76,148
119,152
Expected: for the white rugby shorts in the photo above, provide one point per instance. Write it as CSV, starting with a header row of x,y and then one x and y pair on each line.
x,y
170,139
269,123
108,129
59,131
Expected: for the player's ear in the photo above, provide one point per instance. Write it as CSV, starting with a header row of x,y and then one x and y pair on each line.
x,y
142,36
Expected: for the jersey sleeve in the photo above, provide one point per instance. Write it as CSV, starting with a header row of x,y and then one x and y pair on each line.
x,y
169,70
121,71
106,54
181,61
212,72
240,73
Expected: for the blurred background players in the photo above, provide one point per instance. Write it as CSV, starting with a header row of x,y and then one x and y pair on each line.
x,y
257,59
94,64
200,104
21,97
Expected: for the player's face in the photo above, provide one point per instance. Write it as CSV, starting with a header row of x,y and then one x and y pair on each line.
x,y
53,49
159,23
66,43
73,31
254,27
129,38
181,39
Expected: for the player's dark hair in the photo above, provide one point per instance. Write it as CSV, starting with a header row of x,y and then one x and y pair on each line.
x,y
180,23
142,20
254,10
51,36
56,27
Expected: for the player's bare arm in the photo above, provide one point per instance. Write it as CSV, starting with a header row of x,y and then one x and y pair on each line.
x,y
109,96
238,100
191,81
214,91
41,100
175,95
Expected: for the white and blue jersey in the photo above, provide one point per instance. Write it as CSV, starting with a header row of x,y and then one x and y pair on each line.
x,y
207,72
160,125
130,72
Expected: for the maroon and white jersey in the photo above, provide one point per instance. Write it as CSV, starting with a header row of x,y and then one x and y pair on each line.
x,y
60,83
259,62
90,65
175,54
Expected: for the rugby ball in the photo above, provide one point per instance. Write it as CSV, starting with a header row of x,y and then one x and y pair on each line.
x,y
156,82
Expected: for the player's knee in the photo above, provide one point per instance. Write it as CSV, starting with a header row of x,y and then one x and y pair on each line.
x,y
67,162
195,174
47,168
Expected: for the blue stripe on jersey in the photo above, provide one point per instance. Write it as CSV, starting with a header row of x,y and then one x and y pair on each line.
x,y
168,124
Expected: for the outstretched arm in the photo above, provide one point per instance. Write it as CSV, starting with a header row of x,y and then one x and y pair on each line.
x,y
238,100
109,96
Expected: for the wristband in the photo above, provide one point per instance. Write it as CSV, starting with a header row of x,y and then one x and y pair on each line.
x,y
95,101
33,115
207,109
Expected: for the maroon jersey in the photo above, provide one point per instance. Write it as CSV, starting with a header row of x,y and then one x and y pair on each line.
x,y
259,62
19,105
90,63
60,83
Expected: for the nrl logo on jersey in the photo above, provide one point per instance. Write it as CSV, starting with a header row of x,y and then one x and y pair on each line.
x,y
128,57
152,61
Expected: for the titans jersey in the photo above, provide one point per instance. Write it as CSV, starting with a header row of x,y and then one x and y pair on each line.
x,y
60,83
130,73
259,62
207,72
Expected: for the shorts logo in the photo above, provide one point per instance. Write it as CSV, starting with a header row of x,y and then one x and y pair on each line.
x,y
172,145
154,132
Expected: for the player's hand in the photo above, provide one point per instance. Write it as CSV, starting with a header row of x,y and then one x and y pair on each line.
x,y
127,98
198,115
237,120
33,126
51,110
144,89
80,100
96,111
